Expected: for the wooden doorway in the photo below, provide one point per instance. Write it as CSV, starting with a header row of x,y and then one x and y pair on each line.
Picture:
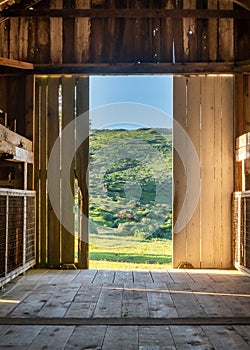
x,y
204,108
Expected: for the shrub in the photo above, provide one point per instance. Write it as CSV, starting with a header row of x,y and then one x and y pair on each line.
x,y
92,227
143,236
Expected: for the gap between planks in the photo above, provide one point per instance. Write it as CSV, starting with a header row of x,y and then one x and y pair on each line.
x,y
130,321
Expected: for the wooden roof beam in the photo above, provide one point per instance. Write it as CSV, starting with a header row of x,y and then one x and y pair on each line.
x,y
138,68
15,63
127,13
243,3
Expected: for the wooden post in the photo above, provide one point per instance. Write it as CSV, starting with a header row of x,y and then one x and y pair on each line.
x,y
227,151
67,202
207,171
36,143
179,172
53,134
43,223
82,160
193,130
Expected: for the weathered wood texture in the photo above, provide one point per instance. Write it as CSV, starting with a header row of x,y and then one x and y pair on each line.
x,y
125,40
242,104
108,310
82,163
16,99
204,109
58,102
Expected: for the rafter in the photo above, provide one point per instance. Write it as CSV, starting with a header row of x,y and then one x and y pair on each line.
x,y
15,63
243,3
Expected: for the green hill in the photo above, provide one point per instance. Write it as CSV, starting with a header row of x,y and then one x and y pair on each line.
x,y
130,182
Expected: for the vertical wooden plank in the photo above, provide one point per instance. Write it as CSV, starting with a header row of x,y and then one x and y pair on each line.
x,y
179,175
238,177
82,33
14,38
56,36
145,47
239,105
68,114
53,133
153,27
207,172
16,111
226,33
217,173
23,39
189,33
119,31
227,105
3,93
212,33
4,39
36,145
43,212
31,40
246,102
127,51
68,34
29,96
241,41
193,130
167,35
82,161
29,122
202,40
42,41
97,34
178,55
110,36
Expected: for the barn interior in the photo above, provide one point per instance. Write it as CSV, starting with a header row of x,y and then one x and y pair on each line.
x,y
48,50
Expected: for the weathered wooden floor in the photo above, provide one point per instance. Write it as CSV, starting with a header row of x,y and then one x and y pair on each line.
x,y
174,309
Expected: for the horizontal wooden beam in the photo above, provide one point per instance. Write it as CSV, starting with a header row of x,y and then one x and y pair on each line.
x,y
127,13
15,63
139,68
13,153
15,139
242,67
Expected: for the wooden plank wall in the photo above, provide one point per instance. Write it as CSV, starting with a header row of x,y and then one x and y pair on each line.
x,y
120,40
57,104
16,99
205,110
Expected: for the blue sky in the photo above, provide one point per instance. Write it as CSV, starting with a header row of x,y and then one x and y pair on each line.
x,y
125,91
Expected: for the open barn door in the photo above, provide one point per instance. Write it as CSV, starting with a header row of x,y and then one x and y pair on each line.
x,y
59,103
203,110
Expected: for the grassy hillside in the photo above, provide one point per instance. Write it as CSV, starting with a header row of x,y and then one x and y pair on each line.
x,y
130,182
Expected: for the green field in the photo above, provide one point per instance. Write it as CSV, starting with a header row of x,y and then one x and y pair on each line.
x,y
115,252
130,199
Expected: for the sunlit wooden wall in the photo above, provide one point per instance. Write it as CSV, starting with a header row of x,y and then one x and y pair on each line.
x,y
204,107
58,101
